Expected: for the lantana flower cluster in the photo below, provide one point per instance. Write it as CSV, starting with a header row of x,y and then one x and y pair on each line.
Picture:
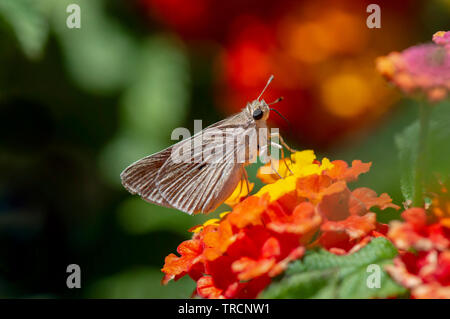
x,y
311,205
423,240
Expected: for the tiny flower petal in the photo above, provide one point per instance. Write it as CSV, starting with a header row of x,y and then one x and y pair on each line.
x,y
303,220
207,289
334,204
442,38
190,251
341,170
249,268
249,211
354,226
239,192
370,199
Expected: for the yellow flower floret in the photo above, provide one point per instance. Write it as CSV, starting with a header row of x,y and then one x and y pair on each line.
x,y
301,164
241,190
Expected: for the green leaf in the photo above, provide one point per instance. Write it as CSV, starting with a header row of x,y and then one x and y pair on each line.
x,y
28,23
100,56
407,152
437,150
321,274
311,284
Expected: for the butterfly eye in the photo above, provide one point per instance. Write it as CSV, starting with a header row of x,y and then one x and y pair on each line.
x,y
257,114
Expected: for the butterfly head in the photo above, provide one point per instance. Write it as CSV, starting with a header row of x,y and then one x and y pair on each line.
x,y
259,110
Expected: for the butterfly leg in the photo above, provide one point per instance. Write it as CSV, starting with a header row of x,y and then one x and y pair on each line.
x,y
246,182
282,154
285,163
277,134
290,149
273,168
264,150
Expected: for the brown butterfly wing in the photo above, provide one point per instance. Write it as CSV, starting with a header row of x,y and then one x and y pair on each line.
x,y
139,178
201,188
200,185
191,186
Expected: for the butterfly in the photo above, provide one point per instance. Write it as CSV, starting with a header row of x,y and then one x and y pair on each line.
x,y
193,182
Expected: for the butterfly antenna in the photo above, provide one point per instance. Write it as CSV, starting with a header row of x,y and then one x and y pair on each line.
x,y
290,128
281,115
277,100
268,82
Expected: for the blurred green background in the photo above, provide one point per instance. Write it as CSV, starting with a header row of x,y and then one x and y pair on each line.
x,y
79,105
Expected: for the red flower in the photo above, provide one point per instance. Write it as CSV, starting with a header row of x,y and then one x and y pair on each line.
x,y
424,242
209,19
418,233
426,273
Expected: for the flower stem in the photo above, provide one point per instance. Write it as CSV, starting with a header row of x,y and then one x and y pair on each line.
x,y
421,163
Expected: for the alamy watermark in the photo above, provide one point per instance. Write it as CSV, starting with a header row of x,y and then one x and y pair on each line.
x,y
73,21
373,21
229,144
74,279
374,279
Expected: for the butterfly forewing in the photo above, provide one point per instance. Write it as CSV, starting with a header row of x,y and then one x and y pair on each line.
x,y
197,180
208,180
140,177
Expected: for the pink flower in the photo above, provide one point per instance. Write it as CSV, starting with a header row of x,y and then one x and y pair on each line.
x,y
423,68
442,38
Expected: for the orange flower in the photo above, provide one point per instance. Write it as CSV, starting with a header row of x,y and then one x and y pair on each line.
x,y
217,239
342,171
348,224
236,256
249,212
176,267
304,219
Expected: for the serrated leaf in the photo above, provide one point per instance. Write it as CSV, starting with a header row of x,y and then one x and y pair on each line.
x,y
377,249
313,284
351,287
437,149
324,275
